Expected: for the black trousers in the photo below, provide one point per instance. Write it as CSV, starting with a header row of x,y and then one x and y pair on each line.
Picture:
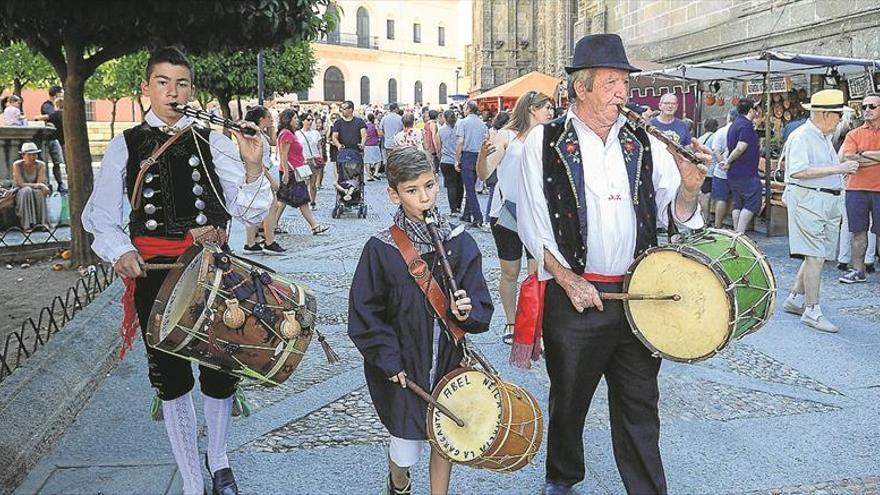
x,y
170,375
454,186
580,348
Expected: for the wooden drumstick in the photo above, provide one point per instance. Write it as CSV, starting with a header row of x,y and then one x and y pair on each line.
x,y
160,266
425,396
626,296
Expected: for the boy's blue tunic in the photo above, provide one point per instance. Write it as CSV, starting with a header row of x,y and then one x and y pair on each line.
x,y
390,322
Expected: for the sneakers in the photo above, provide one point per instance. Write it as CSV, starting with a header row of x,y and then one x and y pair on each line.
x,y
790,306
853,277
817,320
274,248
256,248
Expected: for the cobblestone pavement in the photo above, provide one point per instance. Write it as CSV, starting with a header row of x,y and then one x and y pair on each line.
x,y
784,411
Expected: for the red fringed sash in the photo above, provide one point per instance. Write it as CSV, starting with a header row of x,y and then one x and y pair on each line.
x,y
148,248
530,314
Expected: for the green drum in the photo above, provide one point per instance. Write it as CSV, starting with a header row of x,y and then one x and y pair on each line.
x,y
726,288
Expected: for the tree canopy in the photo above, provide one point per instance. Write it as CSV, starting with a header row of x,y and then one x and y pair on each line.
x,y
20,66
80,35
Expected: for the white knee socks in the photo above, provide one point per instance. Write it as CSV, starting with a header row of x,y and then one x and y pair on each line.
x,y
218,413
180,423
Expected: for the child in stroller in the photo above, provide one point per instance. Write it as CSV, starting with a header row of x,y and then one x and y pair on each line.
x,y
349,183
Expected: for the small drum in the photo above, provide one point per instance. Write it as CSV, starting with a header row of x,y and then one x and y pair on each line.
x,y
503,428
228,314
727,291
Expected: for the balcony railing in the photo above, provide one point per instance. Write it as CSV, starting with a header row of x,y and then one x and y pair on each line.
x,y
351,39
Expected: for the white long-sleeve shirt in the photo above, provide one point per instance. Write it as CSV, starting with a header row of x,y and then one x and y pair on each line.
x,y
611,219
106,212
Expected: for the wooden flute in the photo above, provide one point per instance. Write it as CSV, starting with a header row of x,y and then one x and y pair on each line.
x,y
213,119
637,120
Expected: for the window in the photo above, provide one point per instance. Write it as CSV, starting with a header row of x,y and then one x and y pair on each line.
x,y
333,36
334,84
90,110
365,90
302,95
441,36
363,28
392,91
389,29
417,91
417,33
442,98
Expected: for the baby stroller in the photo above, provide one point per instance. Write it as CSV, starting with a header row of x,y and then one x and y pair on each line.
x,y
349,184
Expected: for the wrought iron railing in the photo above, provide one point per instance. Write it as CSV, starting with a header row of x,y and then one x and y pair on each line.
x,y
20,345
351,39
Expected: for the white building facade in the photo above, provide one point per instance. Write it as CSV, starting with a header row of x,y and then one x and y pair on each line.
x,y
408,52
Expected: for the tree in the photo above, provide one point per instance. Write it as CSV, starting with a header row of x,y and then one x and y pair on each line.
x,y
228,75
84,34
117,79
20,66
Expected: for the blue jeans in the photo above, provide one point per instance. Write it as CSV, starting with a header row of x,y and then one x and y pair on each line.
x,y
469,174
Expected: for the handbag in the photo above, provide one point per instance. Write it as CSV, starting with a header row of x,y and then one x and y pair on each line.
x,y
294,193
302,173
318,160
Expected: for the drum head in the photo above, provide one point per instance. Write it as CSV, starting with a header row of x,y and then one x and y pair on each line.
x,y
475,398
690,329
175,297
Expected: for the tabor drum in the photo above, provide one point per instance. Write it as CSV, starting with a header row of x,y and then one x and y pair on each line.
x,y
503,428
226,313
727,290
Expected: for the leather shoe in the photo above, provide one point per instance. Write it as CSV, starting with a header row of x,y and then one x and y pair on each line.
x,y
554,488
222,481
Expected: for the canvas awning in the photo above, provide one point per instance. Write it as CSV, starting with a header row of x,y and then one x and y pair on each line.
x,y
534,80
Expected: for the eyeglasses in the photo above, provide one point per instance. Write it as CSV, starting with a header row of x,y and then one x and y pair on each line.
x,y
870,106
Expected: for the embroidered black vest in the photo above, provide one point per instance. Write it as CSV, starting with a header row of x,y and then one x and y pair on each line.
x,y
565,193
176,194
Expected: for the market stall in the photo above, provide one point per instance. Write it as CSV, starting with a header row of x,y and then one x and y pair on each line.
x,y
505,95
770,77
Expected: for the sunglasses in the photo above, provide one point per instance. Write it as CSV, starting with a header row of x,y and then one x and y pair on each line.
x,y
870,106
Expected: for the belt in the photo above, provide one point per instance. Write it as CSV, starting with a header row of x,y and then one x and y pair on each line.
x,y
833,192
598,277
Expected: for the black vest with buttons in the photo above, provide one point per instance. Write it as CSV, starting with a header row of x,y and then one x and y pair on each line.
x,y
565,192
176,194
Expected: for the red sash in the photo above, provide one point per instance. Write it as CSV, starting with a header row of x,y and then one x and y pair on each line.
x,y
148,248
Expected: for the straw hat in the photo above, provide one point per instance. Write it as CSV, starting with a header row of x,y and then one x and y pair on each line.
x,y
827,100
29,148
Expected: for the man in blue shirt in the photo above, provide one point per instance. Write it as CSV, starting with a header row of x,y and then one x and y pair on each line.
x,y
390,125
470,131
668,123
742,165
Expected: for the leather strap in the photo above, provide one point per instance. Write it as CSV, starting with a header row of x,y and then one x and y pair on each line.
x,y
148,162
421,273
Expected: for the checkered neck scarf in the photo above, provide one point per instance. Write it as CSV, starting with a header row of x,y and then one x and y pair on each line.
x,y
418,231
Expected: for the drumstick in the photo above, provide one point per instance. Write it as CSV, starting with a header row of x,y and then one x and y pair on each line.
x,y
626,296
160,266
425,396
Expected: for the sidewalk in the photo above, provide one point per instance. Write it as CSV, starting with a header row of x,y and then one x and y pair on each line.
x,y
786,410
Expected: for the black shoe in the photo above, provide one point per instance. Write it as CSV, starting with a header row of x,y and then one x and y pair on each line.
x,y
843,267
274,248
553,488
869,268
223,482
256,248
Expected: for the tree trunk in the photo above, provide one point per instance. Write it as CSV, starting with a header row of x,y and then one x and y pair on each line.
x,y
17,86
80,178
113,119
240,113
225,111
141,105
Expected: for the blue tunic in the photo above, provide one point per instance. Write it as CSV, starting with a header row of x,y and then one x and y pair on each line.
x,y
390,322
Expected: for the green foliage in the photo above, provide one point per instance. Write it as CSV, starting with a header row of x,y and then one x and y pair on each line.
x,y
226,75
20,67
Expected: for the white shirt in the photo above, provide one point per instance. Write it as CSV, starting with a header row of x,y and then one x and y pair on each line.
x,y
719,145
508,176
807,147
311,143
106,212
408,137
611,219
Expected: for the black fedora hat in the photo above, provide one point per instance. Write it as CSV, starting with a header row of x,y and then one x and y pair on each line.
x,y
600,50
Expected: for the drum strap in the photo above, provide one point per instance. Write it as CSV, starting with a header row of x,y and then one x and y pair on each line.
x,y
425,280
149,161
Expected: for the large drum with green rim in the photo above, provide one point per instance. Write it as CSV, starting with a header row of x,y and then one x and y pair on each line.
x,y
727,291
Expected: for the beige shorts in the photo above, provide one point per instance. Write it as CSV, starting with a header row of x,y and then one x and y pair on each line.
x,y
813,222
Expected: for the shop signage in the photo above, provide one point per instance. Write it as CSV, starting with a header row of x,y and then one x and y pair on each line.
x,y
756,86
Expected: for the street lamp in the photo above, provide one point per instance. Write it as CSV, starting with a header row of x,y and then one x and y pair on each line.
x,y
457,77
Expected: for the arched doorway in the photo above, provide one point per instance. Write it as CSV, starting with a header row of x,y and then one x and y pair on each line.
x,y
365,90
442,98
417,98
392,90
363,28
334,84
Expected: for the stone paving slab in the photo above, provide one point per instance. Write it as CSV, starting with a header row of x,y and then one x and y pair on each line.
x,y
785,410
